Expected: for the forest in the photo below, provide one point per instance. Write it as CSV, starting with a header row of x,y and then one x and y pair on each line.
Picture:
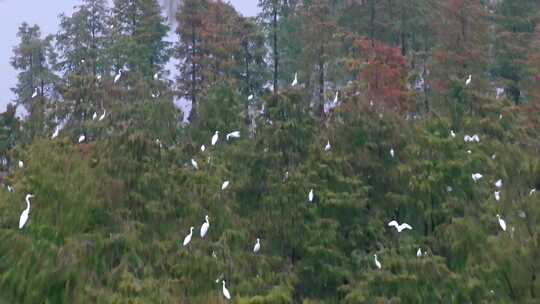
x,y
322,152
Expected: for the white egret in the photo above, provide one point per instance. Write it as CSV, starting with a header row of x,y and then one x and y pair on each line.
x,y
452,133
82,138
392,153
98,77
336,97
499,183
203,148
225,185
9,188
295,81
449,189
94,116
215,138
205,226
533,190
497,195
493,156
56,132
419,252
502,223
24,215
499,92
476,176
286,176
469,152
310,195
399,227
226,293
194,164
327,147
468,81
35,93
156,76
235,134
187,239
250,97
103,115
257,246
377,263
475,138
21,164
117,77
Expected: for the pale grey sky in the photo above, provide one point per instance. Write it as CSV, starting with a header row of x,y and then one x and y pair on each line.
x,y
45,14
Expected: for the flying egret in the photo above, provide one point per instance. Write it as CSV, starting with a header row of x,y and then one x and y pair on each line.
x,y
94,116
377,263
225,185
452,133
419,253
56,132
497,195
215,138
187,239
82,138
35,93
476,176
226,293
399,227
235,134
250,97
205,226
392,153
203,148
499,183
295,81
21,164
327,147
468,81
194,164
257,246
24,215
103,115
310,195
502,223
117,77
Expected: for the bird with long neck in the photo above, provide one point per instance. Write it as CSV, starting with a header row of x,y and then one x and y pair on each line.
x,y
24,215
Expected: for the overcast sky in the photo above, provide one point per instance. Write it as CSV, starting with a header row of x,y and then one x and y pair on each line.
x,y
45,14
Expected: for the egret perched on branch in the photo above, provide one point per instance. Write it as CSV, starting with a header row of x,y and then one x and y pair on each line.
x,y
533,190
34,95
499,183
497,195
476,176
21,164
468,81
452,133
82,138
257,246
117,77
250,97
377,263
310,195
225,185
205,226
336,97
327,147
24,215
156,76
235,134
194,164
226,293
187,239
103,115
419,253
203,148
392,153
56,132
399,227
295,81
502,223
215,138
94,116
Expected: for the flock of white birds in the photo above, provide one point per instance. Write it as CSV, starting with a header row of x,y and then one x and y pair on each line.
x,y
311,194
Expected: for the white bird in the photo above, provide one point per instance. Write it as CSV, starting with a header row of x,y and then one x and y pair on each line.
x,y
257,246
156,76
499,183
493,156
215,138
502,223
205,226
226,293
467,138
103,115
250,97
310,195
469,152
452,133
295,81
225,185
468,81
24,215
533,190
194,164
82,138
327,147
35,93
203,148
21,164
449,189
419,252
476,176
392,153
56,132
399,227
235,134
117,77
377,263
98,77
187,239
497,195
475,138
94,116
336,97
9,188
